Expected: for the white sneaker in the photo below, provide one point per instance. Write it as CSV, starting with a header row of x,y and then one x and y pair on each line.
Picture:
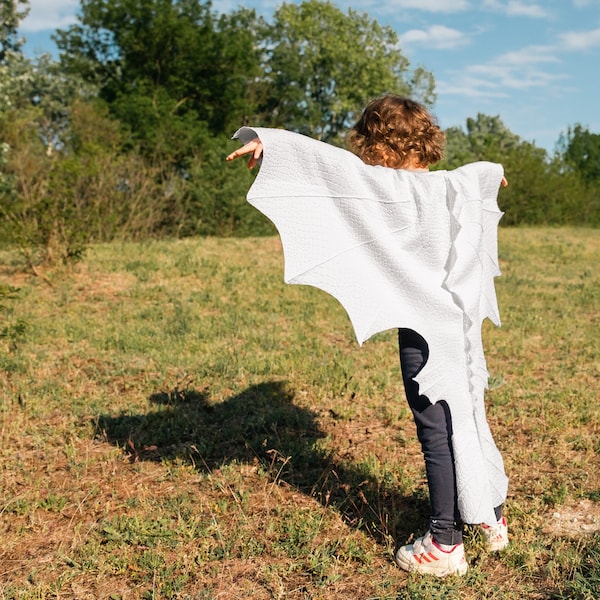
x,y
425,556
495,536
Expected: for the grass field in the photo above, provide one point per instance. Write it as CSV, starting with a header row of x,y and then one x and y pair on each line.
x,y
178,423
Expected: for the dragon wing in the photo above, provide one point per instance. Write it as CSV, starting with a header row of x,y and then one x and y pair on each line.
x,y
397,249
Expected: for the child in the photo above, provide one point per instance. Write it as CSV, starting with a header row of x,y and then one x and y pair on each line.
x,y
433,232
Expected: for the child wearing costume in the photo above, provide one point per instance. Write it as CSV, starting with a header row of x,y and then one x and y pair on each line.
x,y
400,246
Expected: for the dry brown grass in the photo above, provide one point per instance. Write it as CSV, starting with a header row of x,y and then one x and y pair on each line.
x,y
177,423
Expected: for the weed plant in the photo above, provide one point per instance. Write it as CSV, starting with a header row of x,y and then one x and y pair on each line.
x,y
178,423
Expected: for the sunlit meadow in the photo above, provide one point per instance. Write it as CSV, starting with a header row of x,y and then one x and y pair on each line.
x,y
178,423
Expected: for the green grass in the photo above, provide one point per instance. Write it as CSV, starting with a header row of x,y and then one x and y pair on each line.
x,y
178,423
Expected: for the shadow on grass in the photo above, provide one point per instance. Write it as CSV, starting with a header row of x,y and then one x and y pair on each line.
x,y
262,425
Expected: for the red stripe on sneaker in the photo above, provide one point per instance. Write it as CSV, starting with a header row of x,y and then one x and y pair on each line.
x,y
429,557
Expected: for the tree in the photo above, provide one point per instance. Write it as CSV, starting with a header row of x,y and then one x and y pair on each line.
x,y
171,70
486,138
11,14
61,169
34,129
322,65
539,190
581,151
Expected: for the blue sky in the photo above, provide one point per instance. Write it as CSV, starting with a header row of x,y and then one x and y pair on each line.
x,y
534,64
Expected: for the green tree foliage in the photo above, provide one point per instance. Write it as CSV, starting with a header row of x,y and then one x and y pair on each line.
x,y
11,13
166,67
540,190
126,135
67,173
37,100
170,70
11,61
216,200
581,152
182,79
322,65
486,138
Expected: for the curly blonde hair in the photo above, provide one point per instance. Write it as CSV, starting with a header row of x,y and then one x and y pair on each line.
x,y
394,131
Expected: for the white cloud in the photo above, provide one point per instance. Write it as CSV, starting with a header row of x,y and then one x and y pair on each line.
x,y
512,77
436,37
528,68
580,40
517,70
525,9
49,14
432,5
529,55
469,87
518,8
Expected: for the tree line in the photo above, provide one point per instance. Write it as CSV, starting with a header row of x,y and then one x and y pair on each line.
x,y
124,134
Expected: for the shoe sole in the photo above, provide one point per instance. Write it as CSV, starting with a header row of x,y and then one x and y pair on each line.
x,y
425,569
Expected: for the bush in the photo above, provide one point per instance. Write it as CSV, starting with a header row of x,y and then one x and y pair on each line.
x,y
87,190
542,192
217,195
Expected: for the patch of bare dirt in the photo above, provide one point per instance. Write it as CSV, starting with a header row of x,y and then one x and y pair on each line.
x,y
571,520
102,285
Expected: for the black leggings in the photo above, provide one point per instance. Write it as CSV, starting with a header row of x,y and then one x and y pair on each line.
x,y
434,430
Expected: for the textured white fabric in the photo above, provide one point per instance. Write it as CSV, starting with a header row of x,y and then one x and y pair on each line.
x,y
399,248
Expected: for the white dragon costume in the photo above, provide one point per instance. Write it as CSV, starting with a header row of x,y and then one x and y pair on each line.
x,y
405,249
